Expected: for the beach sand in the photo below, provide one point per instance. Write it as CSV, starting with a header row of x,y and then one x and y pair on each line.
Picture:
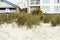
x,y
42,32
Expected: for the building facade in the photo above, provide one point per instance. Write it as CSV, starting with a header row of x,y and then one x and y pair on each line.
x,y
47,6
6,6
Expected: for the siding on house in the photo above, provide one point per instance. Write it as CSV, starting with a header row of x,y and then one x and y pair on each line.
x,y
48,6
6,6
4,11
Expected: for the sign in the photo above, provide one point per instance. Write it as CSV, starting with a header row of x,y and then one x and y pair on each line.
x,y
7,11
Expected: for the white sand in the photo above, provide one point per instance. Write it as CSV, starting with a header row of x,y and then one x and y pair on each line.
x,y
43,32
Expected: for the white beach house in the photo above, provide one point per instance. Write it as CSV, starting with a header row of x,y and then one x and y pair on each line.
x,y
48,6
6,6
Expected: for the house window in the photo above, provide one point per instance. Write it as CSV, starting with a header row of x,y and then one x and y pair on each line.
x,y
56,1
46,1
12,8
35,2
32,2
2,8
33,8
57,8
46,8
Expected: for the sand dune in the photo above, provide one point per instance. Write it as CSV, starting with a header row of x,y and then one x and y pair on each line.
x,y
42,32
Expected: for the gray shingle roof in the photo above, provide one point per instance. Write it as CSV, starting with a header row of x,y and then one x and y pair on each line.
x,y
6,4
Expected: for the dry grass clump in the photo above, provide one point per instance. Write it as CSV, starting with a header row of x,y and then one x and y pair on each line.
x,y
27,19
11,17
47,18
33,20
3,18
20,19
7,18
56,20
30,19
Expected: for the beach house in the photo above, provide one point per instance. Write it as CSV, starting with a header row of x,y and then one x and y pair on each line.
x,y
6,6
47,6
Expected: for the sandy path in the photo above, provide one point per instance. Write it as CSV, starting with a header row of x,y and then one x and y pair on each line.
x,y
43,32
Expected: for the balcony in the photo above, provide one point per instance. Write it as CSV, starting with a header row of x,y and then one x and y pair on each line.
x,y
35,3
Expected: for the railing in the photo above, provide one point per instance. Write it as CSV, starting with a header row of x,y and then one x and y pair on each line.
x,y
3,11
12,10
34,2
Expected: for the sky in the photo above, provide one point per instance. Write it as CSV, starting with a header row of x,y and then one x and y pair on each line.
x,y
20,3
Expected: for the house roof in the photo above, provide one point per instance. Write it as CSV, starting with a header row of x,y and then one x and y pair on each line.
x,y
7,4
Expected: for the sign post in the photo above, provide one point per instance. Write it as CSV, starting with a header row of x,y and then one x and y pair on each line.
x,y
7,11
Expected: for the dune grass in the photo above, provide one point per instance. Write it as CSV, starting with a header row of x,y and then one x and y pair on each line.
x,y
30,19
20,19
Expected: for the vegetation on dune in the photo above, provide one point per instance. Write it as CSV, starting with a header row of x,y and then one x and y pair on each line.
x,y
56,20
27,19
30,19
3,18
20,18
47,18
11,17
37,11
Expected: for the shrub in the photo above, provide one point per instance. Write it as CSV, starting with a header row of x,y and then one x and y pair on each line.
x,y
58,19
27,19
37,11
11,17
23,10
47,18
54,22
41,16
22,18
3,18
33,20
